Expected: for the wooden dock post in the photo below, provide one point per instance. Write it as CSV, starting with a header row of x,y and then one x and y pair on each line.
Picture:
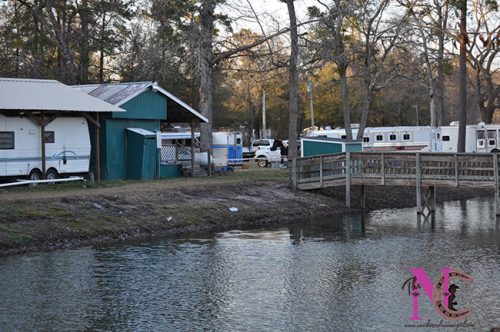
x,y
363,197
294,173
348,179
418,183
383,168
321,171
432,194
495,176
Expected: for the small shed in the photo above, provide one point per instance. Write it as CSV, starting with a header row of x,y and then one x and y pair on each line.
x,y
315,146
146,105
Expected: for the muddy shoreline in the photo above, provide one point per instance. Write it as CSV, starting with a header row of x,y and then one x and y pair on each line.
x,y
74,218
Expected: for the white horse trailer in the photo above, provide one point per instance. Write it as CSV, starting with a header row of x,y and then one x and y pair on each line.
x,y
67,147
410,138
480,138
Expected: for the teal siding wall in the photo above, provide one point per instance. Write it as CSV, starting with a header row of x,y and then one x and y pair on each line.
x,y
169,171
312,148
114,162
148,105
353,147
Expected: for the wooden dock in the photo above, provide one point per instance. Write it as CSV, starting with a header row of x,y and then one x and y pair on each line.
x,y
424,171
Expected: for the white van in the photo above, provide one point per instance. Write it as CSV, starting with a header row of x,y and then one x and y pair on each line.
x,y
67,147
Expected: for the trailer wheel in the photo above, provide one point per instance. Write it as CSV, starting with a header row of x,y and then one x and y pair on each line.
x,y
35,175
51,174
495,151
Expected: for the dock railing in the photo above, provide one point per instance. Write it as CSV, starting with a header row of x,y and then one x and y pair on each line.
x,y
420,169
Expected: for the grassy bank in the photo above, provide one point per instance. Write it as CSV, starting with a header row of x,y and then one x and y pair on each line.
x,y
49,217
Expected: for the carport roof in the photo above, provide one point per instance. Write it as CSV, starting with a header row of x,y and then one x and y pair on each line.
x,y
47,95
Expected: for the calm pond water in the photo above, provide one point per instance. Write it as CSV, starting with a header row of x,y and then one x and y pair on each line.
x,y
342,274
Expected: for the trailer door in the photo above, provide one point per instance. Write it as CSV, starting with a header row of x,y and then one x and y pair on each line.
x,y
481,141
492,140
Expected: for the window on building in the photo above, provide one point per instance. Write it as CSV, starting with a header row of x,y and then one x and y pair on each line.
x,y
480,135
392,137
366,139
380,137
446,138
238,141
343,136
6,140
406,137
49,137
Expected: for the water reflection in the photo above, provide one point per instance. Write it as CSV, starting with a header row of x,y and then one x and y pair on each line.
x,y
343,274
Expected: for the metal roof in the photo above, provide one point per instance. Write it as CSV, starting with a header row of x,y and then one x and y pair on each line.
x,y
47,95
119,93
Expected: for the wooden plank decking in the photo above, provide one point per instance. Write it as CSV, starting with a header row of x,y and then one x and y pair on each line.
x,y
420,170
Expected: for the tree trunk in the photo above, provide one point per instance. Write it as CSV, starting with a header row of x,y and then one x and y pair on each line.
x,y
84,43
439,82
101,48
293,104
344,92
206,71
463,77
367,87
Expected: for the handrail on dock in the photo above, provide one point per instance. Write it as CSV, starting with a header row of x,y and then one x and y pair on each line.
x,y
418,169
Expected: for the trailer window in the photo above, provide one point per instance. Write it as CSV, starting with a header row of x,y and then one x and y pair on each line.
x,y
343,137
492,134
392,137
480,135
238,141
49,137
6,140
446,138
380,137
366,139
406,137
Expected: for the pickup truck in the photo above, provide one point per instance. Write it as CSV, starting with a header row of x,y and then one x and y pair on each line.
x,y
266,154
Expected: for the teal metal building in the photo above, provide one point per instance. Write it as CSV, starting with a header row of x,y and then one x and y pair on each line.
x,y
315,146
127,140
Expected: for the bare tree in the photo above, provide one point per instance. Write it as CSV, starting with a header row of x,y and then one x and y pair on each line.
x,y
482,51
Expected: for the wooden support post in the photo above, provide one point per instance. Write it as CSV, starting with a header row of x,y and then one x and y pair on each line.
x,y
192,150
42,138
432,198
321,171
209,162
418,183
348,179
294,173
495,176
363,197
383,168
97,150
456,170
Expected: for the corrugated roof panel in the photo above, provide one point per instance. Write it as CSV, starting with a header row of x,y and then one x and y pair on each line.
x,y
48,95
114,93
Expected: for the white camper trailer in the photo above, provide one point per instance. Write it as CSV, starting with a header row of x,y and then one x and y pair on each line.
x,y
408,138
402,139
480,138
67,147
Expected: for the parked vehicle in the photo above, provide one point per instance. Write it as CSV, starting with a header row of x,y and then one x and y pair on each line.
x,y
227,148
277,153
67,147
262,143
480,138
401,138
